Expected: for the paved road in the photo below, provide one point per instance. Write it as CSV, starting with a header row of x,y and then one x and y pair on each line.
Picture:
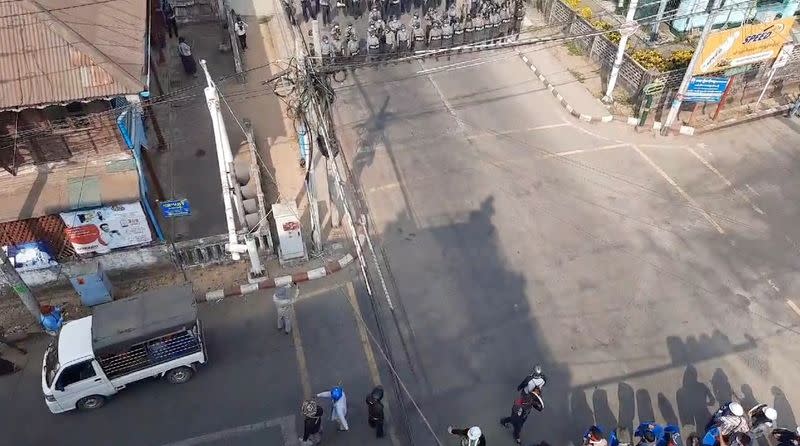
x,y
248,394
645,274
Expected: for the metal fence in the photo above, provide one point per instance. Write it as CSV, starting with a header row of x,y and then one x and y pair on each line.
x,y
633,76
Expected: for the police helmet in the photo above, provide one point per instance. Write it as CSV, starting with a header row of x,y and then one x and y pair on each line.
x,y
474,433
324,38
771,414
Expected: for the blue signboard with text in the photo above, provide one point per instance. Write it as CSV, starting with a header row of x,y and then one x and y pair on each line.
x,y
175,208
706,89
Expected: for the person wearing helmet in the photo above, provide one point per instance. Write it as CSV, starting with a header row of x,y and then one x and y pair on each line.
x,y
375,410
786,437
373,44
762,419
339,409
728,418
736,439
353,47
312,423
375,14
469,436
403,41
647,437
534,380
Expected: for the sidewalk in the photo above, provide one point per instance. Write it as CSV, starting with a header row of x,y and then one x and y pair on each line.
x,y
574,78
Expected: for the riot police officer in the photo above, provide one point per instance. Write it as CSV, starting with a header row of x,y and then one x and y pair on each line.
x,y
373,45
326,51
380,28
435,36
353,48
469,31
447,34
415,21
458,34
375,14
394,24
390,40
494,19
403,41
519,14
349,32
419,36
336,31
505,21
338,48
478,26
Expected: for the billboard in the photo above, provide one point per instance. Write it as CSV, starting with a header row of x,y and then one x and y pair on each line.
x,y
749,43
706,89
100,230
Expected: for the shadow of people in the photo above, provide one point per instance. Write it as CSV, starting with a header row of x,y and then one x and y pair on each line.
x,y
785,413
580,414
667,412
693,399
721,387
602,411
627,406
645,406
748,400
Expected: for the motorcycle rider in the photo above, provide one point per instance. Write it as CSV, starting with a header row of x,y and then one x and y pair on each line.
x,y
469,436
594,437
534,380
762,419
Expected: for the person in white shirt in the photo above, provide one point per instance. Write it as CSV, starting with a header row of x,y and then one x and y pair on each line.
x,y
339,411
241,31
185,51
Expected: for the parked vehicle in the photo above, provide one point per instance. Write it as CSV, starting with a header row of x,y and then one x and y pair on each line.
x,y
154,334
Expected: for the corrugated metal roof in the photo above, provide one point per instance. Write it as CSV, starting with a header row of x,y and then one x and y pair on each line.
x,y
58,51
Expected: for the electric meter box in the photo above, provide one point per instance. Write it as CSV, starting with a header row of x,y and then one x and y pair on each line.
x,y
290,235
92,284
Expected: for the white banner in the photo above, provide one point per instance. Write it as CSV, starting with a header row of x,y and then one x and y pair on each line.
x,y
100,230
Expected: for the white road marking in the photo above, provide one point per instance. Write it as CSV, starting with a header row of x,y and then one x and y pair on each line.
x,y
752,191
793,306
774,287
579,151
383,187
288,431
680,190
725,180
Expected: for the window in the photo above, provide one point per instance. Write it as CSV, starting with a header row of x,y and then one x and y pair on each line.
x,y
75,373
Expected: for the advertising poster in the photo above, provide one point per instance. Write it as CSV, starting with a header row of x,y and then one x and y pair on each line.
x,y
30,256
747,44
100,230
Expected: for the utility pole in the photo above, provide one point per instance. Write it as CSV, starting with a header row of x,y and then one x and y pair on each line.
x,y
220,137
19,286
659,17
313,129
627,31
687,77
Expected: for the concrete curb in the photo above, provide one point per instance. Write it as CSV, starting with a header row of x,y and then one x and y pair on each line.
x,y
304,276
550,87
747,118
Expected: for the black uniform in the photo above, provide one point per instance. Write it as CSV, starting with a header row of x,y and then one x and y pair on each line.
x,y
375,410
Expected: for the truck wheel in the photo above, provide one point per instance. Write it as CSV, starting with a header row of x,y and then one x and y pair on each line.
x,y
179,375
91,402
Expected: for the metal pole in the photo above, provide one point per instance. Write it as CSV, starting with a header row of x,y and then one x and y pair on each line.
x,y
19,286
659,16
336,217
316,36
769,80
623,43
212,101
314,128
678,100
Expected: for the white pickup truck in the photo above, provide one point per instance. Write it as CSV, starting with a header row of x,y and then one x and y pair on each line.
x,y
154,334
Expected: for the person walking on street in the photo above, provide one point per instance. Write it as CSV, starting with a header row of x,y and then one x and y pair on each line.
x,y
326,51
325,6
469,436
241,32
339,410
172,23
308,10
519,414
534,380
284,304
185,51
796,109
375,410
312,423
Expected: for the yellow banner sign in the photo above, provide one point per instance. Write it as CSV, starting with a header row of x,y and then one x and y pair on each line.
x,y
744,45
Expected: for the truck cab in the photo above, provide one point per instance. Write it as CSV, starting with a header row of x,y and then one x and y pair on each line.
x,y
155,334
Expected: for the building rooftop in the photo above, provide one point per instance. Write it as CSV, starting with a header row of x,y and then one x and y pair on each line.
x,y
61,51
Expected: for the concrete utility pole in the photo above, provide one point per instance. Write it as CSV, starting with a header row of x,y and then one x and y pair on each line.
x,y
19,286
676,103
314,128
659,16
625,33
220,137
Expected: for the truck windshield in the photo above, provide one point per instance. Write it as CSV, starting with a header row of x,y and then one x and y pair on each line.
x,y
51,362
